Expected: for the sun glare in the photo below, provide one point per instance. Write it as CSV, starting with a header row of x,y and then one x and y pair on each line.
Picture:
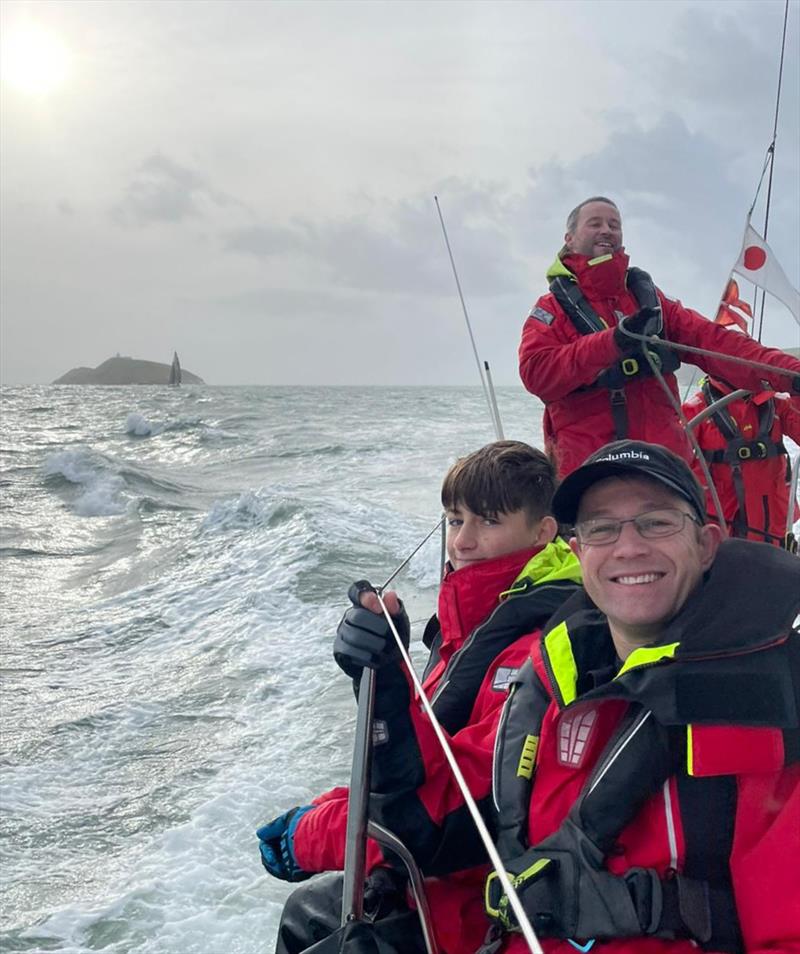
x,y
33,60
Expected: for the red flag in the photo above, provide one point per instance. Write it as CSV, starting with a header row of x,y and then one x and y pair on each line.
x,y
726,315
731,297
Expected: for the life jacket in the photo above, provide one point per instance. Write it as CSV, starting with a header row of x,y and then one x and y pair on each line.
x,y
630,368
678,723
740,453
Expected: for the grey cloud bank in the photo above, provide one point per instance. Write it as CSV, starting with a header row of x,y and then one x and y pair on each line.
x,y
255,187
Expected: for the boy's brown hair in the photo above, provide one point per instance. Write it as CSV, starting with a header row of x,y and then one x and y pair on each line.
x,y
500,478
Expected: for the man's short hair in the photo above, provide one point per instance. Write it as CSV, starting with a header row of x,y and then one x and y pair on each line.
x,y
572,218
501,477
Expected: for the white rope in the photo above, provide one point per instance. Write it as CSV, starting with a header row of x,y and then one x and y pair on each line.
x,y
486,838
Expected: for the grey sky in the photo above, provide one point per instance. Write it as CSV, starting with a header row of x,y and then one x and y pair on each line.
x,y
251,183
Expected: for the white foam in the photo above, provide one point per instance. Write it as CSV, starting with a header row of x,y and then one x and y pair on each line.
x,y
102,488
139,426
250,509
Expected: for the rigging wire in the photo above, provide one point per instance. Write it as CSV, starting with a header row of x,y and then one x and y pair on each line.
x,y
688,431
771,156
416,549
513,898
491,402
734,359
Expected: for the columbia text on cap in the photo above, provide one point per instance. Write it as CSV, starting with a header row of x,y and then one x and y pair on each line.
x,y
632,458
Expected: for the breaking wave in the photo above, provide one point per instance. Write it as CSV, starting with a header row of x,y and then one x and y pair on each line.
x,y
101,488
137,425
247,511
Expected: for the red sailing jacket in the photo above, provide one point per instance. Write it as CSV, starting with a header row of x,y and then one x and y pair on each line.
x,y
560,366
764,481
488,614
768,809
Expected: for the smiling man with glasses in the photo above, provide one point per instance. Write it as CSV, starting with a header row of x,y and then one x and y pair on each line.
x,y
641,536
647,769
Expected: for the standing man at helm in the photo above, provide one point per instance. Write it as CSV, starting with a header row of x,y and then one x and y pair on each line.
x,y
595,381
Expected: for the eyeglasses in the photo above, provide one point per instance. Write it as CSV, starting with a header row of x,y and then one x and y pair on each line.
x,y
652,525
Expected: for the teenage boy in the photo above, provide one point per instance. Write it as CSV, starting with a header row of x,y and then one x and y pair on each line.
x,y
507,573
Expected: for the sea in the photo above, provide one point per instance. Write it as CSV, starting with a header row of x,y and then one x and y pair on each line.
x,y
173,564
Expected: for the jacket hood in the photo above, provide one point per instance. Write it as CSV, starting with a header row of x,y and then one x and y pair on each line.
x,y
724,387
558,270
720,616
468,595
555,562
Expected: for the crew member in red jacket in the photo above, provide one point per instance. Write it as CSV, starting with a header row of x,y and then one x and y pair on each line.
x,y
743,446
595,382
646,777
506,574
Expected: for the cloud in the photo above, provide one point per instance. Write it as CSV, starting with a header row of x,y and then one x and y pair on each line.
x,y
281,304
262,241
337,130
164,191
398,246
733,58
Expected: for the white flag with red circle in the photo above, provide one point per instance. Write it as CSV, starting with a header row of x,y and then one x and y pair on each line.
x,y
758,264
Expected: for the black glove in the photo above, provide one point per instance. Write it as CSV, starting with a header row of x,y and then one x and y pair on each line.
x,y
646,321
796,384
384,893
364,639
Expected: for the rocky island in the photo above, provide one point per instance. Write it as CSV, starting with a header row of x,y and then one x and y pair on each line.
x,y
121,370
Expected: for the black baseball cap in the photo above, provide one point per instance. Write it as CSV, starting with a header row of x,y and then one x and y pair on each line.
x,y
634,458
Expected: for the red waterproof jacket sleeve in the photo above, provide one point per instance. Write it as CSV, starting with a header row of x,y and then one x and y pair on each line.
x,y
688,327
553,362
413,790
319,839
764,862
551,365
415,793
789,414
